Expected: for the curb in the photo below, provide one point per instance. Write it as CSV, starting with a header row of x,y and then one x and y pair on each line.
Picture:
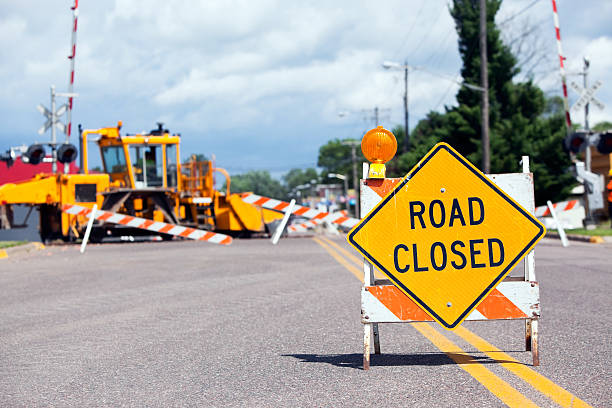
x,y
593,239
32,246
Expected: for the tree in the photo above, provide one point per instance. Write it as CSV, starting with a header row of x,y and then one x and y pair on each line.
x,y
335,157
522,120
296,177
424,136
602,126
259,182
198,157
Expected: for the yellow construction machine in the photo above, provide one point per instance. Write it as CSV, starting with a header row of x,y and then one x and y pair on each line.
x,y
144,177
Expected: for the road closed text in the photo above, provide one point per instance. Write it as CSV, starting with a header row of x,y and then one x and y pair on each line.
x,y
457,254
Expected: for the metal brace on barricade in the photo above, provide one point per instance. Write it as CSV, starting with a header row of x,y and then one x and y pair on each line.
x,y
515,298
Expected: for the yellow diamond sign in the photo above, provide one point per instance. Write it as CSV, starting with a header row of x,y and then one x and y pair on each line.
x,y
446,235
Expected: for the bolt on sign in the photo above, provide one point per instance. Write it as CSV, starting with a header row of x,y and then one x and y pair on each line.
x,y
446,235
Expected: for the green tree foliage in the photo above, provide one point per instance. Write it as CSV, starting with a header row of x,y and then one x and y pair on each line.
x,y
259,182
296,177
335,157
522,120
196,157
602,126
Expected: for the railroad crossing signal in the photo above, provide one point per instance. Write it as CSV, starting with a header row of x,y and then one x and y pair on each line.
x,y
52,118
446,235
587,96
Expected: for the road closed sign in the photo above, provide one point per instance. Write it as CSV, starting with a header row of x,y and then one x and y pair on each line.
x,y
446,235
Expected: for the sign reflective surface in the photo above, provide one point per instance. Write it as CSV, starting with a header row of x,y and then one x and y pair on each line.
x,y
446,235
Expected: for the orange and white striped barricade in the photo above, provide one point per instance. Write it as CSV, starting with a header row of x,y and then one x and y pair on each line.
x,y
544,211
305,226
316,217
569,214
149,225
515,298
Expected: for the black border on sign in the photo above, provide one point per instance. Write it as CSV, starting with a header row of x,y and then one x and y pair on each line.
x,y
482,177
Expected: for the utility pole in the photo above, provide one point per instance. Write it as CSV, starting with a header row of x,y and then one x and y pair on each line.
x,y
353,144
355,179
53,137
376,115
484,83
406,68
406,128
585,74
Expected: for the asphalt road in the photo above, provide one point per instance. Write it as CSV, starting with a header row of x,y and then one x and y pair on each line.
x,y
252,325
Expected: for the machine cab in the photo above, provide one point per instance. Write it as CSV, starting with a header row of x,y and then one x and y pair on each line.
x,y
142,161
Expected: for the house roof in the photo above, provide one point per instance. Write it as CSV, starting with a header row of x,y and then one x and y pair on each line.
x,y
21,171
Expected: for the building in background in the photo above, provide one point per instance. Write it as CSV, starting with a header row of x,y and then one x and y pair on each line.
x,y
21,171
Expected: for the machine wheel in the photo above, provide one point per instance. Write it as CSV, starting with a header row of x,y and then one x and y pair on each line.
x,y
50,226
96,235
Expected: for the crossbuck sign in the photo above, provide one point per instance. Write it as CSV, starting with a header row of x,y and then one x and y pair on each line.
x,y
587,96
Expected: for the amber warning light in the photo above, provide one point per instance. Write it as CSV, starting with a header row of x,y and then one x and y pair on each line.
x,y
378,146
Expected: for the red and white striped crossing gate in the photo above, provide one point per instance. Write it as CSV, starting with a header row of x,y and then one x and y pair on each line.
x,y
515,298
544,211
316,216
149,225
568,121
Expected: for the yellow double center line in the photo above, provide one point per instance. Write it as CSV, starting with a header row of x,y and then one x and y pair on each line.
x,y
498,387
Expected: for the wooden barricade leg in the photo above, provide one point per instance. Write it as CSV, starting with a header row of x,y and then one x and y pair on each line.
x,y
527,334
368,280
531,325
367,330
376,338
534,342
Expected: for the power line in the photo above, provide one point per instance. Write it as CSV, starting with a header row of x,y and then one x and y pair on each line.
x,y
410,29
444,96
507,20
444,42
431,26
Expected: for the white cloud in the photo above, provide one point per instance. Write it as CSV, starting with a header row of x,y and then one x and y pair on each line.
x,y
255,74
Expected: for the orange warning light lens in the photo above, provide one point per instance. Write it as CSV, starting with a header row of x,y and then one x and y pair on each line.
x,y
379,145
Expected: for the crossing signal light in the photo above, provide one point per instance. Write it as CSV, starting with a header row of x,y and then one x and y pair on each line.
x,y
576,143
8,157
66,153
35,154
604,144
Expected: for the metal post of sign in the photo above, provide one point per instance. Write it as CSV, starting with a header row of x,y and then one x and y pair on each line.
x,y
92,217
587,95
281,227
53,122
587,127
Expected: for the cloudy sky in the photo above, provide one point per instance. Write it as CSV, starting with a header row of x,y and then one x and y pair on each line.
x,y
260,84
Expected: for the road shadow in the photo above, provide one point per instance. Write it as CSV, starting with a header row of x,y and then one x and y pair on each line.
x,y
355,360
